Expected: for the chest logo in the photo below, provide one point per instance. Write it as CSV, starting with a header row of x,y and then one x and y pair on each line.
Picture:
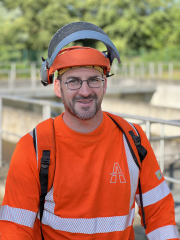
x,y
117,173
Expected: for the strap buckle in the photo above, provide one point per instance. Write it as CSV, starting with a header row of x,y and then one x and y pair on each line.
x,y
136,140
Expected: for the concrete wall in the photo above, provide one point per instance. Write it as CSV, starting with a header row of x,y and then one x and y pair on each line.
x,y
166,96
20,122
146,110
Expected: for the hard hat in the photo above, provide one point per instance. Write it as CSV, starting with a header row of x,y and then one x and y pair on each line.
x,y
77,55
80,56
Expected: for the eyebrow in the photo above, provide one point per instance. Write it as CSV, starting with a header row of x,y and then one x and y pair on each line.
x,y
73,77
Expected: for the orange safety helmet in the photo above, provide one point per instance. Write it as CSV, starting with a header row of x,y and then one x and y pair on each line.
x,y
59,58
78,56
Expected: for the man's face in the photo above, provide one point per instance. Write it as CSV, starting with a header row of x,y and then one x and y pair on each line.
x,y
83,103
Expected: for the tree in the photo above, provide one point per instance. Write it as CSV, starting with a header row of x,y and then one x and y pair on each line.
x,y
133,25
31,24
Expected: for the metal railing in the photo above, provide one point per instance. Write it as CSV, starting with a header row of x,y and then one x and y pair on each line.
x,y
17,75
149,71
46,113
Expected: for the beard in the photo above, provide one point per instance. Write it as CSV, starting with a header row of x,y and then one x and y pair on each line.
x,y
85,112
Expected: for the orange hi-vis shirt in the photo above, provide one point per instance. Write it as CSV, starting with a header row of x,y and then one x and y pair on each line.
x,y
93,193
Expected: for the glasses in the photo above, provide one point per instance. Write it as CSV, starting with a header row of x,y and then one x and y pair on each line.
x,y
76,83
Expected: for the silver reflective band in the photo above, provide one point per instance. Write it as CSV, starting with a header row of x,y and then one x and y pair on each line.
x,y
88,225
164,233
154,195
49,201
18,215
133,171
76,83
31,133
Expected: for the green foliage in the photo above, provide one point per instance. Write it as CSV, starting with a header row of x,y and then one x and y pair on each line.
x,y
134,26
167,54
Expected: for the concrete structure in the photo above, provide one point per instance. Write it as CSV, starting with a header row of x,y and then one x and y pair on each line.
x,y
167,95
19,122
144,109
126,90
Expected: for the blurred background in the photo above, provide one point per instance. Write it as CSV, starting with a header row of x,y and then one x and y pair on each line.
x,y
145,88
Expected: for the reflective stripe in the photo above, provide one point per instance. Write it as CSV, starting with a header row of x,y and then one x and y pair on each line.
x,y
36,147
49,202
31,133
163,233
18,215
154,195
88,225
134,128
133,171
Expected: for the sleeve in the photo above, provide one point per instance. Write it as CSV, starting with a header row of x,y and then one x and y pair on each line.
x,y
21,201
158,202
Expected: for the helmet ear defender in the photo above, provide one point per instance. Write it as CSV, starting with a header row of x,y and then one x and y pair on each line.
x,y
44,73
106,55
70,33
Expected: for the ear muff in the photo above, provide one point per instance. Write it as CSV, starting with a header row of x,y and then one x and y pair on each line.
x,y
44,74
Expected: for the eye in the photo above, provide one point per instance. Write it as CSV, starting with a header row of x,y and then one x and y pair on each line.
x,y
94,80
74,81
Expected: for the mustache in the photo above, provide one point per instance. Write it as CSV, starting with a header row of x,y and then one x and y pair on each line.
x,y
90,96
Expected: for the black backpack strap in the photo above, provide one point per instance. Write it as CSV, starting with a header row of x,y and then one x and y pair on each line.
x,y
129,145
141,203
142,152
43,176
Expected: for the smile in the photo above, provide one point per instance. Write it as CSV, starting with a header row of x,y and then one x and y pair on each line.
x,y
85,102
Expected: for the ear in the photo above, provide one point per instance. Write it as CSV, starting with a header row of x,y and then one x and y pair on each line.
x,y
57,87
105,85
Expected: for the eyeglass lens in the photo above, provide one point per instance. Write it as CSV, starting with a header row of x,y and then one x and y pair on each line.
x,y
94,82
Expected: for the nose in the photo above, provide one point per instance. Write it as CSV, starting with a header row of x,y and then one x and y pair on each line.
x,y
85,90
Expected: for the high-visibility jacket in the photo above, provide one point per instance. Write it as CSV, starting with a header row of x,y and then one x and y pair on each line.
x,y
94,189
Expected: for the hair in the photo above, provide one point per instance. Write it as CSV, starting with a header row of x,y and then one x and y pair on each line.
x,y
59,77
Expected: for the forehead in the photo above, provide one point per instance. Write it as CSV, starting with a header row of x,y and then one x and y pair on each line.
x,y
81,72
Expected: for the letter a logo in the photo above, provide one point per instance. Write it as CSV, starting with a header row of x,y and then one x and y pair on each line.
x,y
117,172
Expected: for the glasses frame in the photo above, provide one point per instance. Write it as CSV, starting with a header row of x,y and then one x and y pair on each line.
x,y
66,83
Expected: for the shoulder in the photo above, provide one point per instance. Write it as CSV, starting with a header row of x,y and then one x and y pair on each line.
x,y
140,131
42,131
25,144
43,138
123,124
23,162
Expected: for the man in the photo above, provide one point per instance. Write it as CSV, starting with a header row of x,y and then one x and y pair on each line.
x,y
96,179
